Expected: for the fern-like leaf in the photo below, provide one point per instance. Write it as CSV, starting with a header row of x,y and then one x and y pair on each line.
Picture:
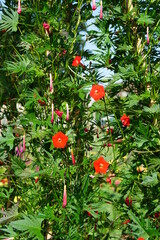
x,y
9,21
20,65
30,225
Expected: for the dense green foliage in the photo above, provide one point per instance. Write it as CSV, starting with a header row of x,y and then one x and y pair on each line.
x,y
121,204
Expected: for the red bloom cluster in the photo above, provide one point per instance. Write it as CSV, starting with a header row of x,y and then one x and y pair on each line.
x,y
125,120
101,165
97,92
59,140
59,113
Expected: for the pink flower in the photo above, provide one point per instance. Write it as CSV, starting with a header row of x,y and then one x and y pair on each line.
x,y
148,35
28,163
93,5
109,144
24,144
101,11
91,176
37,168
67,117
19,7
73,158
64,197
117,182
52,117
59,113
46,27
17,151
109,130
64,52
51,84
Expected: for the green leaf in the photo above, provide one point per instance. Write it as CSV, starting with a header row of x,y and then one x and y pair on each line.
x,y
124,47
9,215
139,224
145,19
9,21
150,180
30,225
8,138
155,108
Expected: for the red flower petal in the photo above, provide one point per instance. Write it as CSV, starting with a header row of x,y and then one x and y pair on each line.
x,y
125,120
76,61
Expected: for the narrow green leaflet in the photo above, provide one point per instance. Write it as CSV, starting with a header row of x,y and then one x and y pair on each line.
x,y
9,21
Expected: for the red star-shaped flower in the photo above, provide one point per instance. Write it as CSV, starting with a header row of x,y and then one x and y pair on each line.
x,y
125,120
140,238
59,140
76,61
97,92
101,165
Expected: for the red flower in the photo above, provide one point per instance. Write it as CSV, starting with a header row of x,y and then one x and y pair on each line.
x,y
97,92
109,130
89,214
4,181
42,103
59,113
36,179
64,197
93,5
125,120
59,140
101,11
76,61
46,26
73,158
108,180
101,165
86,130
126,222
128,201
140,238
19,7
109,144
157,214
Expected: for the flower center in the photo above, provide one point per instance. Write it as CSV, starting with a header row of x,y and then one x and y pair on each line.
x,y
101,165
96,91
59,140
